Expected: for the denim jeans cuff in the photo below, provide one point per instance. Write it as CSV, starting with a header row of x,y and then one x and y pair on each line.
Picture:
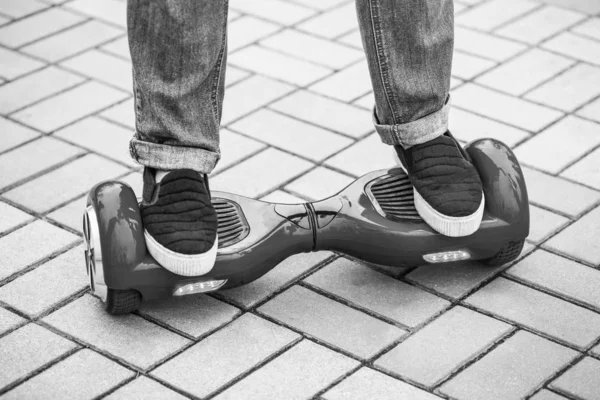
x,y
415,132
169,157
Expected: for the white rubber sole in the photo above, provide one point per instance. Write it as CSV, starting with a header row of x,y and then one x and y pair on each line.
x,y
182,264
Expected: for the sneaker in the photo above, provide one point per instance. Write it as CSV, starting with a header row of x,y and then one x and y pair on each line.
x,y
180,222
447,189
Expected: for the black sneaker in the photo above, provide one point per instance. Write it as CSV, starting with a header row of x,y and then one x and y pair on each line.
x,y
180,221
447,188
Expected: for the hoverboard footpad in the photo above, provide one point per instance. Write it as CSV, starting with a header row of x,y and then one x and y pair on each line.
x,y
392,196
233,227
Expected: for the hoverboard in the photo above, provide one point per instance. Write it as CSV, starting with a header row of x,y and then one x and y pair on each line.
x,y
373,220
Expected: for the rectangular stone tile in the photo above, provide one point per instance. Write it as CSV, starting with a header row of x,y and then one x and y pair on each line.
x,y
467,126
113,11
279,196
64,183
278,11
586,6
285,272
347,84
144,388
36,156
101,137
319,183
581,381
575,46
580,240
122,113
467,66
299,373
249,95
256,176
48,284
569,90
30,244
225,355
332,23
9,320
511,110
71,214
494,13
353,39
547,395
590,28
234,75
377,293
27,349
366,155
369,384
543,223
11,217
37,26
586,170
541,24
195,315
15,64
558,194
19,9
525,71
591,110
291,135
485,45
278,66
34,87
84,375
246,30
103,67
69,106
331,322
71,41
559,275
442,346
119,48
13,134
234,148
539,311
328,113
321,4
510,371
128,337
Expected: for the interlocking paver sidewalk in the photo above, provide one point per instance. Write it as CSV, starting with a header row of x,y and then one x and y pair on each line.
x,y
298,95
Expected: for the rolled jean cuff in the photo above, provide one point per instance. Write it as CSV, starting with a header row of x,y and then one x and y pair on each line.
x,y
415,132
168,157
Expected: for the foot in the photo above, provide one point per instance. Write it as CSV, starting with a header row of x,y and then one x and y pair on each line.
x,y
180,221
447,189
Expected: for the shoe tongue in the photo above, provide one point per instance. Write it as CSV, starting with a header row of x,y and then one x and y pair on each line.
x,y
160,174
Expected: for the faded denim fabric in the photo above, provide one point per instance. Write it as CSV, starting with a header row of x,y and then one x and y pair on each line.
x,y
179,53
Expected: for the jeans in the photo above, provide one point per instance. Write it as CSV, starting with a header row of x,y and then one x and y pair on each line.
x,y
179,54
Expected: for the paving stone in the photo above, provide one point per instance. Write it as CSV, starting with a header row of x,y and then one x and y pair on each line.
x,y
586,170
321,4
13,134
353,160
278,66
485,45
291,135
558,194
69,106
575,46
467,126
235,148
234,75
586,6
9,320
547,395
525,71
72,41
467,66
113,11
250,178
580,240
543,223
353,39
328,113
16,64
377,293
299,373
249,95
559,275
144,388
347,84
64,183
591,110
37,26
581,381
84,375
30,244
27,349
122,113
331,322
569,90
559,153
279,196
127,337
19,9
368,100
246,30
225,355
194,315
369,384
71,214
119,48
53,281
310,48
443,346
332,23
291,268
590,27
102,67
539,311
101,137
541,24
11,217
494,13
19,93
596,351
278,11
510,371
319,183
